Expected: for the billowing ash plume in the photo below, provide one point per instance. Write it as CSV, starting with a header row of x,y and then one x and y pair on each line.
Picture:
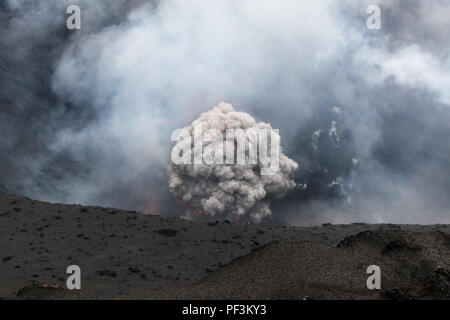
x,y
228,189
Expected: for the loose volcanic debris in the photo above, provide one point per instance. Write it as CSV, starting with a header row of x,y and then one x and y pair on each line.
x,y
282,270
168,232
109,273
37,290
154,257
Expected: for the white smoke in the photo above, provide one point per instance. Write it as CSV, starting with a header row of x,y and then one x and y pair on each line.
x,y
225,190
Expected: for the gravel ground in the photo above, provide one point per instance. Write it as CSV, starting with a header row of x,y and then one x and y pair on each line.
x,y
126,254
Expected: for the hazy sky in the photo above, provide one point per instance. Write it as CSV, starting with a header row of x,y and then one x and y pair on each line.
x,y
86,115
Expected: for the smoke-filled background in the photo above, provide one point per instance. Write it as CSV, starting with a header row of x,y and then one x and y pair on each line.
x,y
86,115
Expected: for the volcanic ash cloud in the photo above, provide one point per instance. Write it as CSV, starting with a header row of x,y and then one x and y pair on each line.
x,y
214,180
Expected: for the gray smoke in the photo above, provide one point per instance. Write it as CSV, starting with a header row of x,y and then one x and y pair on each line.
x,y
228,190
86,116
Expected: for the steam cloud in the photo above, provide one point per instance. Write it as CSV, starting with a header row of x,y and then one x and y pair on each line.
x,y
230,190
86,115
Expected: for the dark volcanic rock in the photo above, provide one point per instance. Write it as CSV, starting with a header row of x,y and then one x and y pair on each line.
x,y
134,270
37,290
168,232
109,273
399,245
